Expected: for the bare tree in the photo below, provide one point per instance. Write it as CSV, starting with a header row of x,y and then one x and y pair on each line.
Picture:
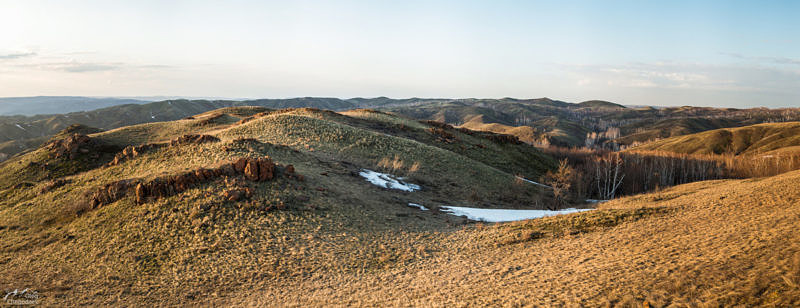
x,y
560,181
608,175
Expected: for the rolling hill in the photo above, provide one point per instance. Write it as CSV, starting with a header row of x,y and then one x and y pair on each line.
x,y
134,209
753,139
546,120
276,207
601,104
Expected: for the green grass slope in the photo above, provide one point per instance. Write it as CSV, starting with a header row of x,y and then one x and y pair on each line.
x,y
751,139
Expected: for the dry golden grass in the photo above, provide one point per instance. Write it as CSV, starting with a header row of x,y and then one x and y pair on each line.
x,y
345,242
720,243
525,133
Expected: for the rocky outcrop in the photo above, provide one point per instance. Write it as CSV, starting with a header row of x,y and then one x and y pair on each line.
x,y
109,193
131,152
442,135
237,194
253,169
71,146
193,139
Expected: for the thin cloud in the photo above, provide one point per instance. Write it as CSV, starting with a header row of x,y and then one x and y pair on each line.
x,y
18,55
88,67
691,76
72,66
771,60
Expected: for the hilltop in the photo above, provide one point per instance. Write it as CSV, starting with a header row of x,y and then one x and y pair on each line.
x,y
601,104
753,139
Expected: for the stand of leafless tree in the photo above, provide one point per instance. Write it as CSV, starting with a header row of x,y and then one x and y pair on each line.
x,y
603,174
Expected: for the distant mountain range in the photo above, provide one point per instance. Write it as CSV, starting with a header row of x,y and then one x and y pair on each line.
x,y
545,121
59,104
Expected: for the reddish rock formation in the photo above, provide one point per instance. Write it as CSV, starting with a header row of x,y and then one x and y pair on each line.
x,y
253,169
141,193
442,135
69,147
265,169
240,164
130,152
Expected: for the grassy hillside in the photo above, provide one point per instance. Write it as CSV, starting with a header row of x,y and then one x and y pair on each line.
x,y
647,131
719,243
223,234
752,139
164,214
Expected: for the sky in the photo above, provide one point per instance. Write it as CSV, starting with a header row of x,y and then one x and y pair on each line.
x,y
665,53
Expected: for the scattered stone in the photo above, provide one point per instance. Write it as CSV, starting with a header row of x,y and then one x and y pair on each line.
x,y
238,194
130,152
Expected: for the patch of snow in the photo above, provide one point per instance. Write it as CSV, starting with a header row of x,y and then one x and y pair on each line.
x,y
419,206
387,180
502,215
532,182
20,127
596,201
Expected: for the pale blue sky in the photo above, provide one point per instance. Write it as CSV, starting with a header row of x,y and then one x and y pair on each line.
x,y
710,53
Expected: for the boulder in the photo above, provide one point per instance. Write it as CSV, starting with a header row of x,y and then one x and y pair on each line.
x,y
266,169
251,170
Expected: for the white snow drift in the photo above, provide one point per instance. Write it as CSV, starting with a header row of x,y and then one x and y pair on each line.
x,y
502,215
534,183
387,180
419,206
